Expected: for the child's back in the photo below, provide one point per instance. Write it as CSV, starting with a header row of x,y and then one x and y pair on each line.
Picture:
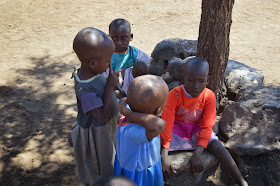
x,y
137,156
137,140
97,117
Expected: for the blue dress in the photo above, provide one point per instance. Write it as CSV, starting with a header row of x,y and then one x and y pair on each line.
x,y
138,158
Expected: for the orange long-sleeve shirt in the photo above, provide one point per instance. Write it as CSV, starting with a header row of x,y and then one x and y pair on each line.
x,y
200,110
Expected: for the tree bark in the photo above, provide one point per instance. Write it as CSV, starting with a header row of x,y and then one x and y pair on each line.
x,y
213,40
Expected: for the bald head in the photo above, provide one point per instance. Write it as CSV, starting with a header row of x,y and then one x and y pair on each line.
x,y
89,42
120,23
197,65
147,94
139,68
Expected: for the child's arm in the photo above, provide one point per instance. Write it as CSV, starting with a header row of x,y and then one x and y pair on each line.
x,y
119,92
103,113
168,115
167,167
153,124
195,163
203,137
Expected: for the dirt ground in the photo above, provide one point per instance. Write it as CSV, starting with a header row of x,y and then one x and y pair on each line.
x,y
37,101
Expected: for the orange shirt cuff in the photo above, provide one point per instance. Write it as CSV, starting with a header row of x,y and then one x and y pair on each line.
x,y
203,143
166,145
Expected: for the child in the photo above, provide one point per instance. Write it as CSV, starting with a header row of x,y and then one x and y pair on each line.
x,y
97,118
189,114
124,56
138,143
140,68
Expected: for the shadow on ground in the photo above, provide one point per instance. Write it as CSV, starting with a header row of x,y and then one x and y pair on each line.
x,y
37,111
36,114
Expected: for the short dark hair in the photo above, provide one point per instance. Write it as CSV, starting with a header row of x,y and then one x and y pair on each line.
x,y
195,61
119,22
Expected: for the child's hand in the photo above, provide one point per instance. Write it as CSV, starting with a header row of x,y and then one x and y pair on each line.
x,y
195,164
112,80
167,169
122,107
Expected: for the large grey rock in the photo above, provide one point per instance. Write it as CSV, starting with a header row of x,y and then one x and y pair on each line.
x,y
166,49
176,68
224,102
216,126
238,76
180,161
263,92
252,125
166,77
174,84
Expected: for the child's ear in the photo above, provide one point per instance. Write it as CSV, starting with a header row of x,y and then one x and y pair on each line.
x,y
131,37
91,63
208,78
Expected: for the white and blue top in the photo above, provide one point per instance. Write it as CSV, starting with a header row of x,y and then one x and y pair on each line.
x,y
127,59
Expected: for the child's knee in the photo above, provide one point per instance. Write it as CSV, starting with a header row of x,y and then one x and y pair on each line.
x,y
215,146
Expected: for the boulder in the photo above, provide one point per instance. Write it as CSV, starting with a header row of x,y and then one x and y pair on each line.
x,y
251,125
216,126
174,84
262,92
166,49
184,176
166,77
176,68
224,102
238,76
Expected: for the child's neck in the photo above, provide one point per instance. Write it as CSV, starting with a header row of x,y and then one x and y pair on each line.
x,y
85,74
122,52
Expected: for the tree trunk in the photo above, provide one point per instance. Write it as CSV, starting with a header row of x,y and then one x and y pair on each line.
x,y
213,40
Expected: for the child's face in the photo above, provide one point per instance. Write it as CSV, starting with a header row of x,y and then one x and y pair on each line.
x,y
103,60
121,37
195,82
